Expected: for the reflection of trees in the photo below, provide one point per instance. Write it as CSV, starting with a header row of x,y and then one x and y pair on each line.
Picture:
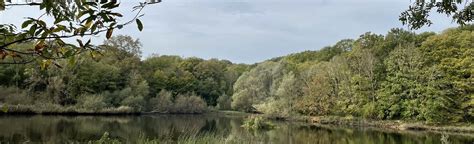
x,y
294,133
128,129
58,129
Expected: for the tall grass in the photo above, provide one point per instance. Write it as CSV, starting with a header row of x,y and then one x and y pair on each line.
x,y
206,138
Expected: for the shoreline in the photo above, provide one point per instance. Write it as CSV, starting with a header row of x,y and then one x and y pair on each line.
x,y
397,125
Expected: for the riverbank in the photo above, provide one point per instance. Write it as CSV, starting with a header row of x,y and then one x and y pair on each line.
x,y
48,109
51,109
398,125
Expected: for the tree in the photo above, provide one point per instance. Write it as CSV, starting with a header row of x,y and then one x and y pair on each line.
x,y
72,19
402,91
123,46
318,95
224,102
461,12
448,73
163,102
255,86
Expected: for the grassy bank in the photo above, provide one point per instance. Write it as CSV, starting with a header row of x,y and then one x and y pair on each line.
x,y
184,139
51,109
54,109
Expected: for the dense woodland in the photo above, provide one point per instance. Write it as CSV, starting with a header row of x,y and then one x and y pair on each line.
x,y
399,75
115,79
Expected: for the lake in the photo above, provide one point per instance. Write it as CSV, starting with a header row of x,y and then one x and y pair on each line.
x,y
66,129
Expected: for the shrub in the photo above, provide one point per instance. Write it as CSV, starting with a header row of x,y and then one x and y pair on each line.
x,y
369,110
92,102
136,102
257,123
14,96
113,99
224,102
162,102
189,104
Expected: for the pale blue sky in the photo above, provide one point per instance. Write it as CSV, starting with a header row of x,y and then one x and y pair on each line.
x,y
249,31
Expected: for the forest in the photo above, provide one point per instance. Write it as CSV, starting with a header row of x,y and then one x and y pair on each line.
x,y
116,80
401,75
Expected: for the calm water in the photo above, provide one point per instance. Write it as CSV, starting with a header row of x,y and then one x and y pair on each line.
x,y
62,129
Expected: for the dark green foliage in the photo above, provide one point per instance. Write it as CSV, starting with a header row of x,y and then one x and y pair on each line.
x,y
207,78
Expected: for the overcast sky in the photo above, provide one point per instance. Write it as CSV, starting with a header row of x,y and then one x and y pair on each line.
x,y
249,31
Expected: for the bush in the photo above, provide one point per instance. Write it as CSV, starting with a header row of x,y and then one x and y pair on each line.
x,y
189,104
224,102
136,102
275,108
92,102
113,99
183,103
162,103
257,123
369,110
14,96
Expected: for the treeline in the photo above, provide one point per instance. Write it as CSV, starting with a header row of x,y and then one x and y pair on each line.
x,y
400,75
114,79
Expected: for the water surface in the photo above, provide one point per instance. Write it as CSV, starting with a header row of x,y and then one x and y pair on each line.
x,y
64,129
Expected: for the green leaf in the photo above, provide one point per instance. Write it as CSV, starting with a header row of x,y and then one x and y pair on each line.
x,y
105,17
33,29
109,33
38,32
26,23
42,23
93,28
140,25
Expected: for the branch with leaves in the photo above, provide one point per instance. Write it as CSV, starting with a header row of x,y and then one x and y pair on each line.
x,y
461,12
72,20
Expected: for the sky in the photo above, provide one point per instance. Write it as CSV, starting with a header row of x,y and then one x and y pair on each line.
x,y
250,31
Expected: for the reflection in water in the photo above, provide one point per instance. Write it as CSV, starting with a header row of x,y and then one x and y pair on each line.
x,y
61,129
